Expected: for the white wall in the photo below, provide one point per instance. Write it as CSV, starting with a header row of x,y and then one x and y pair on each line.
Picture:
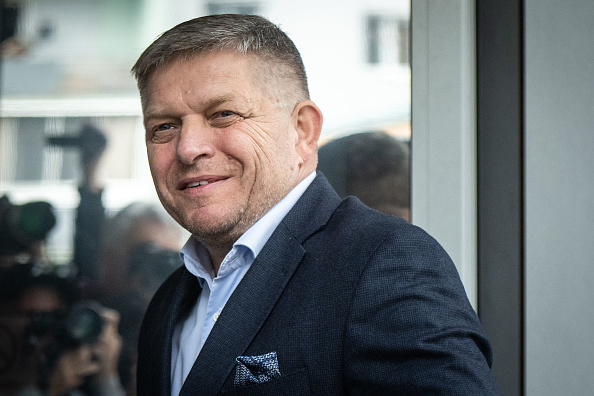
x,y
351,93
559,193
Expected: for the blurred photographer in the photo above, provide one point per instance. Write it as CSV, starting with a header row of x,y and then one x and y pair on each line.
x,y
67,346
114,262
90,144
50,342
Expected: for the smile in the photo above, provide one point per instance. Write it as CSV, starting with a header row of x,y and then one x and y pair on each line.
x,y
196,184
199,182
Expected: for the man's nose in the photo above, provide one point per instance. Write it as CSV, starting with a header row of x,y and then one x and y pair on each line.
x,y
195,141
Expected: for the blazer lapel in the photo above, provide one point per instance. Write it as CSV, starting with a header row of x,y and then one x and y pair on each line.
x,y
243,315
257,293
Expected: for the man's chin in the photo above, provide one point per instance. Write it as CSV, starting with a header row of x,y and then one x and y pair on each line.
x,y
216,239
208,229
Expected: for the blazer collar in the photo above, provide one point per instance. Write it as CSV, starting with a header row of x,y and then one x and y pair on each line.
x,y
255,296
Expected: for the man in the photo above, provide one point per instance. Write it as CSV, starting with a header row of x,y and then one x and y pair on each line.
x,y
286,289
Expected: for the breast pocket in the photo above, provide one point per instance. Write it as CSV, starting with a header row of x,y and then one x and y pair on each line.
x,y
293,384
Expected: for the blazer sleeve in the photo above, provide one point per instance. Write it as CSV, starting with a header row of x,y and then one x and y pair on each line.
x,y
411,329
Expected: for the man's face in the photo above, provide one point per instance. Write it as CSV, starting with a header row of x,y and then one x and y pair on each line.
x,y
221,149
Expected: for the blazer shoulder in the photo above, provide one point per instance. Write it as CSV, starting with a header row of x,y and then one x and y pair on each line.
x,y
358,224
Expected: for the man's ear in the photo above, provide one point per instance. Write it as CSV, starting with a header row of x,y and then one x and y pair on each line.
x,y
307,121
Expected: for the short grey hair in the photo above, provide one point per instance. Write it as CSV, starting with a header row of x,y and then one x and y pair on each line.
x,y
244,34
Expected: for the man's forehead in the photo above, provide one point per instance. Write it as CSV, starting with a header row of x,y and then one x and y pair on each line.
x,y
205,69
218,64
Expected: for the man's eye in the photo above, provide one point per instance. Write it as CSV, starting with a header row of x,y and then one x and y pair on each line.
x,y
224,118
161,133
163,127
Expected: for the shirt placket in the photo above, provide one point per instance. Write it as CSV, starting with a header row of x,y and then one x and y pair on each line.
x,y
217,294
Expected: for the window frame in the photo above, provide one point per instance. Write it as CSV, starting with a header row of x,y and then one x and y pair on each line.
x,y
443,122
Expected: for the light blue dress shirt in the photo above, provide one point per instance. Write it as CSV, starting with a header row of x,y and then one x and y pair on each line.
x,y
190,335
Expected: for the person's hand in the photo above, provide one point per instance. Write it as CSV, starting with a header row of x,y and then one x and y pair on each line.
x,y
108,347
72,368
91,151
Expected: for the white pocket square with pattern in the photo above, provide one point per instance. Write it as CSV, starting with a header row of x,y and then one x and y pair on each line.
x,y
256,369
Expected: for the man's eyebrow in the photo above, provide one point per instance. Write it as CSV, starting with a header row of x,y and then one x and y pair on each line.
x,y
219,100
150,115
157,113
205,105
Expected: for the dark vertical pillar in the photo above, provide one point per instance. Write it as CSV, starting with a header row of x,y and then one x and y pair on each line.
x,y
500,151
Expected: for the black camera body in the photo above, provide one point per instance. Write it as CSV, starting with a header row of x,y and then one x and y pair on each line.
x,y
91,141
22,225
81,324
152,264
51,334
60,331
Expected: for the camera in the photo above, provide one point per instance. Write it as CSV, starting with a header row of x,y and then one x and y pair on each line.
x,y
81,324
57,332
151,265
21,225
91,141
32,344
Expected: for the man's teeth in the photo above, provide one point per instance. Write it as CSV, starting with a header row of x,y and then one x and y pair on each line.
x,y
196,184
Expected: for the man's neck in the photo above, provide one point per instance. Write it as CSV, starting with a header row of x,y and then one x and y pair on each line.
x,y
217,258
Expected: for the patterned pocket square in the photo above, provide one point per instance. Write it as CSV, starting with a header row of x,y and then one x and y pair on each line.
x,y
256,369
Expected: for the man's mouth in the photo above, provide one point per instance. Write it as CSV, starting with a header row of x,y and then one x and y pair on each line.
x,y
196,184
199,182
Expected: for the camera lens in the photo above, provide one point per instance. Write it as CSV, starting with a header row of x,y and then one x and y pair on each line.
x,y
84,323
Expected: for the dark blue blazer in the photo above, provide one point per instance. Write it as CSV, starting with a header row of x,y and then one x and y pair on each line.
x,y
352,301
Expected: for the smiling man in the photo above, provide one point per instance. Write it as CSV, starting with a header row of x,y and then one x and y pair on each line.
x,y
223,150
286,288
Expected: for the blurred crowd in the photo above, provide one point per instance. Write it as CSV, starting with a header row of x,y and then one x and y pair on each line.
x,y
72,329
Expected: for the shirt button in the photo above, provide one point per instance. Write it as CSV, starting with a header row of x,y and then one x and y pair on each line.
x,y
216,315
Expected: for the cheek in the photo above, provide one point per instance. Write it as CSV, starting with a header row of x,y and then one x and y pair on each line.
x,y
159,159
268,145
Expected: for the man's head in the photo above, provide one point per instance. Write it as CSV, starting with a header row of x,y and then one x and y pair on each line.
x,y
372,166
229,126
